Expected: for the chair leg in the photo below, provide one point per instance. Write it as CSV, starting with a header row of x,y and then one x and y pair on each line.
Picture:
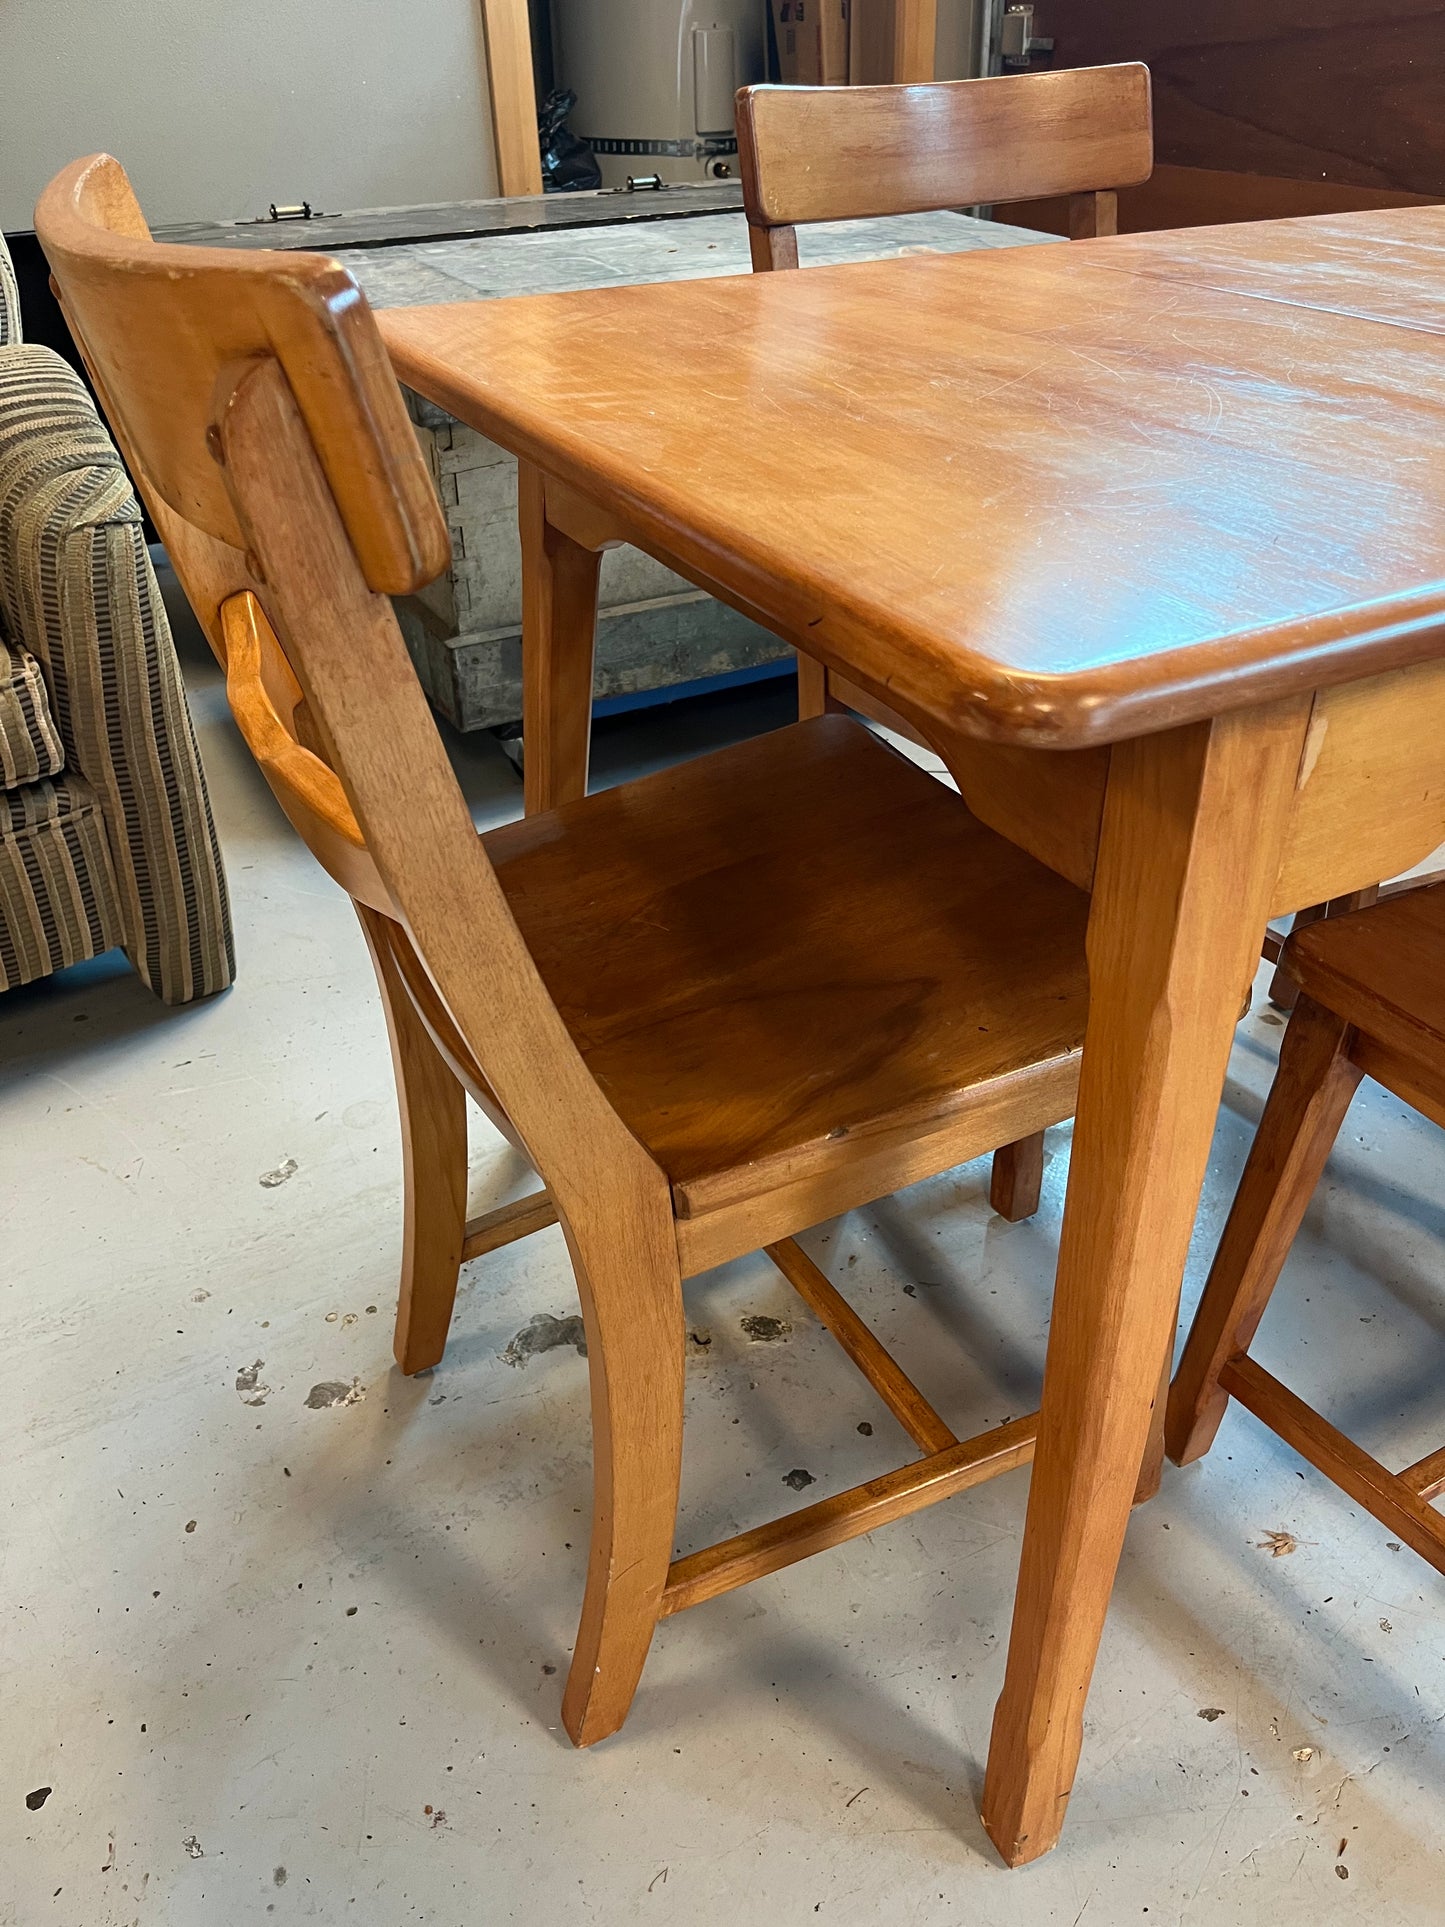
x,y
813,698
434,1155
632,1309
1151,1471
1302,1117
1192,824
1018,1175
559,629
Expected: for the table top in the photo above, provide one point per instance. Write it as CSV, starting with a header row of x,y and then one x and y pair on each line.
x,y
1054,496
1386,265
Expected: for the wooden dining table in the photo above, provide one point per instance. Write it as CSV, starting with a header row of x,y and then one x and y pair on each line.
x,y
1147,536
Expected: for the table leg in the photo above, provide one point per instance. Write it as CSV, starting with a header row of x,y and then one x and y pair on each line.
x,y
559,630
1193,825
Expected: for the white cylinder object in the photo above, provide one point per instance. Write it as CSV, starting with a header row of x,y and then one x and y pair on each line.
x,y
655,80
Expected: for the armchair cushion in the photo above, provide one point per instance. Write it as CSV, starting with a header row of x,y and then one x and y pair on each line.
x,y
30,745
9,299
78,592
58,900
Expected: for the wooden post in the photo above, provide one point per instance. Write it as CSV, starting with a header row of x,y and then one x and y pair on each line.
x,y
891,40
514,99
915,28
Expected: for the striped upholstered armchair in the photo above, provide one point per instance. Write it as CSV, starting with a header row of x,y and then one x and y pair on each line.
x,y
106,836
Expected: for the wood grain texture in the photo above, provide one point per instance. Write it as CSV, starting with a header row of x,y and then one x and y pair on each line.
x,y
923,962
1383,264
707,930
1302,1116
1017,1178
1173,419
915,33
1283,990
1077,613
1400,1509
848,1515
265,698
507,1223
513,95
1332,90
888,1379
1193,826
559,630
298,306
1409,1078
1426,1477
433,1109
1370,1002
845,153
1187,197
612,1200
1381,970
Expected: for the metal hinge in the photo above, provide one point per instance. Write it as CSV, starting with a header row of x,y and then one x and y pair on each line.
x,y
287,211
1017,41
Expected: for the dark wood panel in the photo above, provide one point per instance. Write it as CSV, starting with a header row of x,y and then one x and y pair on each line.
x,y
1204,196
1336,90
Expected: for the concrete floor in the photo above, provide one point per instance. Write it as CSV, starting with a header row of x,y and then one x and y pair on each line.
x,y
281,1657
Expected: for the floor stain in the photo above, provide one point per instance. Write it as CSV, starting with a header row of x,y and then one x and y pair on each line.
x,y
766,1331
249,1386
334,1391
1279,1544
278,1879
544,1333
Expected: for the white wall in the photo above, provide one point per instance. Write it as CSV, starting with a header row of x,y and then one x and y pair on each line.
x,y
218,107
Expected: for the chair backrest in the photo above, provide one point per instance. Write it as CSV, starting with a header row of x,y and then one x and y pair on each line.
x,y
850,153
160,360
255,402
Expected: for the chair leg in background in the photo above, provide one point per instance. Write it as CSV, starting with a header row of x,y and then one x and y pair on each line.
x,y
1302,1117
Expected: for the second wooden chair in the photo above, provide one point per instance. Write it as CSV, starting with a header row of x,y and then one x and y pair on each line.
x,y
1371,1003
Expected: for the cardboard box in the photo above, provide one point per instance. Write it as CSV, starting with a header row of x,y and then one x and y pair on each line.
x,y
812,37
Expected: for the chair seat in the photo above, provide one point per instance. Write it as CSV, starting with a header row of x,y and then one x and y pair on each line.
x,y
1379,969
783,957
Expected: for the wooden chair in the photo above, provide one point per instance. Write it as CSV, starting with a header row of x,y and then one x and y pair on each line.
x,y
811,154
1371,1003
713,1007
854,153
